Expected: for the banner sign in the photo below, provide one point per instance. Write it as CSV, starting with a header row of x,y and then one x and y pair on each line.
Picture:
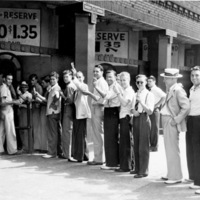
x,y
112,43
20,26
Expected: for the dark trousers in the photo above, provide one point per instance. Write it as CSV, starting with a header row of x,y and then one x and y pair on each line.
x,y
154,134
54,133
141,135
125,144
193,148
79,139
111,142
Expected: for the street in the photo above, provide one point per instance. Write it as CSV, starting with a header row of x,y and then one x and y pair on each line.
x,y
30,177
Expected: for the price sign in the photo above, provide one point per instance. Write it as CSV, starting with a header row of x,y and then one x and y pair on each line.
x,y
112,43
20,25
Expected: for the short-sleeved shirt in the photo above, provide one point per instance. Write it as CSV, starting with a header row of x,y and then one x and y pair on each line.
x,y
147,98
23,97
54,91
102,85
129,95
194,101
158,94
111,99
5,96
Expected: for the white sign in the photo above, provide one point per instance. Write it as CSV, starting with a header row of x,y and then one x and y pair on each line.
x,y
20,26
112,43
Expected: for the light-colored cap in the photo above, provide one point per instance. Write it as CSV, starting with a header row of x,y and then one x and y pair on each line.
x,y
171,73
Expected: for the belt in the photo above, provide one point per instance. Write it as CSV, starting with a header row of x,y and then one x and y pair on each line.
x,y
98,105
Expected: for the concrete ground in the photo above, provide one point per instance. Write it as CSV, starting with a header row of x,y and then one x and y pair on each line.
x,y
31,177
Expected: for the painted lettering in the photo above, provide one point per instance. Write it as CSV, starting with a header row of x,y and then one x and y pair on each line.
x,y
110,36
20,15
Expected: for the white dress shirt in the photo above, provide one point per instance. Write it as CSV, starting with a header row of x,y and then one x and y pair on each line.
x,y
102,85
158,93
194,101
147,98
111,99
129,95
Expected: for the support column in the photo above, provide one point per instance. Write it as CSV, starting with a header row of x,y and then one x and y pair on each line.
x,y
85,45
164,56
85,56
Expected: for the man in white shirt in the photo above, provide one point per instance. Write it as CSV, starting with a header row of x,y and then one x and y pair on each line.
x,y
127,99
173,113
143,107
111,121
159,97
98,115
53,115
193,127
7,126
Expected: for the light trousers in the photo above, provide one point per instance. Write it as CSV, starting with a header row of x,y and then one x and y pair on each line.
x,y
97,135
7,129
171,141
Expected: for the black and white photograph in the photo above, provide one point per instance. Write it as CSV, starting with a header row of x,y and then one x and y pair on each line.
x,y
99,100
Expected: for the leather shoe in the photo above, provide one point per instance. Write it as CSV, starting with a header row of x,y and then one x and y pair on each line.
x,y
173,181
61,156
164,178
122,170
72,160
47,156
104,167
133,172
94,163
194,186
187,180
197,192
140,175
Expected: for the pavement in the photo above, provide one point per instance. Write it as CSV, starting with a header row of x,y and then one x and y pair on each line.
x,y
31,177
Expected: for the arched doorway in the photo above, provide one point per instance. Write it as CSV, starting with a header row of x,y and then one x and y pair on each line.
x,y
9,63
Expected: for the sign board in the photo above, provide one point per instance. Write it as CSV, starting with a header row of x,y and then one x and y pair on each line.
x,y
112,43
20,26
93,9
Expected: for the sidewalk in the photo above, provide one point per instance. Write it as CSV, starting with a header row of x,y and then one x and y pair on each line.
x,y
31,177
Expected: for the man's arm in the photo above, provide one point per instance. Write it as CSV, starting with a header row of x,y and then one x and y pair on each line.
x,y
148,106
184,104
160,102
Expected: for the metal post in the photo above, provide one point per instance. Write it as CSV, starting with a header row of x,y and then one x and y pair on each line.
x,y
29,126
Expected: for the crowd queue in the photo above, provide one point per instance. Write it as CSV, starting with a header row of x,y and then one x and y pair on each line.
x,y
125,123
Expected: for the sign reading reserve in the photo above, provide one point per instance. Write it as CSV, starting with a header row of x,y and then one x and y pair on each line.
x,y
20,26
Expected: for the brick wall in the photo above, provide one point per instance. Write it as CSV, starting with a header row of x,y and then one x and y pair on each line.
x,y
155,15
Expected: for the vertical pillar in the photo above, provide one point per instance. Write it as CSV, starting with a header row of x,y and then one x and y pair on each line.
x,y
85,54
164,56
85,45
181,55
134,47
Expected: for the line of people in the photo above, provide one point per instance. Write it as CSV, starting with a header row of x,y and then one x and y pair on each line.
x,y
125,124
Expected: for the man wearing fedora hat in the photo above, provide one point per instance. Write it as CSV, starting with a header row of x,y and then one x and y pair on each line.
x,y
173,113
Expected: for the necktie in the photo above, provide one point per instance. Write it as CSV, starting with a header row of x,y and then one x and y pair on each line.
x,y
136,105
165,100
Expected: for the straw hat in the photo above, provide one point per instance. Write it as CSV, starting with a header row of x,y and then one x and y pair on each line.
x,y
171,73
